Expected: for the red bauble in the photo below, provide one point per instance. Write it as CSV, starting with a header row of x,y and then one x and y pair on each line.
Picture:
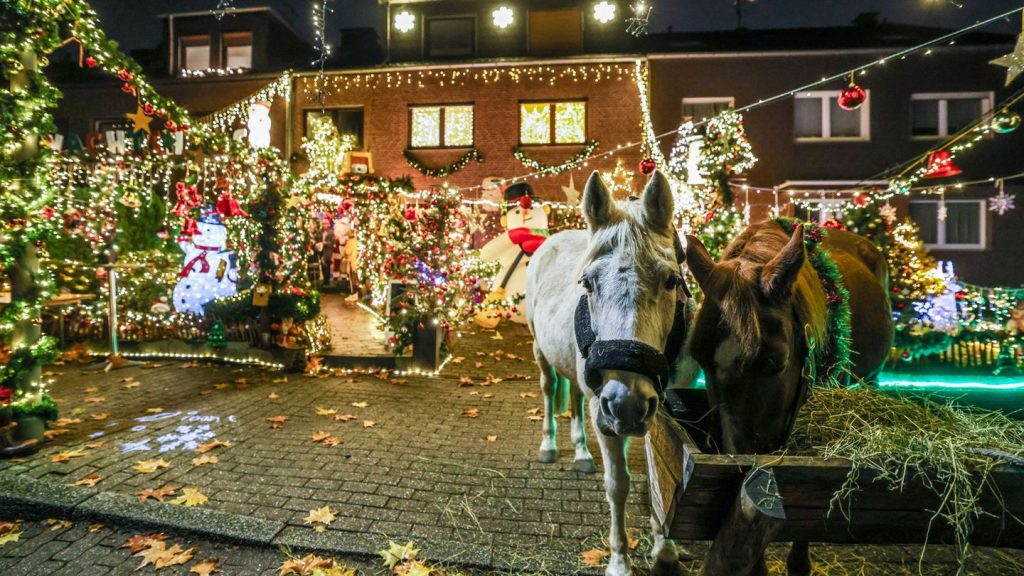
x,y
647,165
410,214
525,202
148,109
861,199
125,75
852,97
90,61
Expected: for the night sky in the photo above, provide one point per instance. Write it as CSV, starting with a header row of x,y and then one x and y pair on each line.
x,y
135,24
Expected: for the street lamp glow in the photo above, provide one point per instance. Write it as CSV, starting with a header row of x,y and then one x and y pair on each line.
x,y
604,12
502,17
404,21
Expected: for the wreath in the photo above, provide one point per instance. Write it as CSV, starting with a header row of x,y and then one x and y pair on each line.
x,y
459,164
552,169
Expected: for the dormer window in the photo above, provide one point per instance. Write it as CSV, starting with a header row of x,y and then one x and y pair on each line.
x,y
195,52
237,50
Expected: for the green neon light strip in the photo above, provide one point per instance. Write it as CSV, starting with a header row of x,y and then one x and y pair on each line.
x,y
897,381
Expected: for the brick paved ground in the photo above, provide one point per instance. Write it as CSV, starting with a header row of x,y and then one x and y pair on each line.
x,y
355,331
421,471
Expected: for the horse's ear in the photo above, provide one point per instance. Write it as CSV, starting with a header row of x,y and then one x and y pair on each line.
x,y
698,260
658,204
598,205
781,272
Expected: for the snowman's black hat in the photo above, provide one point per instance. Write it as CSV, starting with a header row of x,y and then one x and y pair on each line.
x,y
517,191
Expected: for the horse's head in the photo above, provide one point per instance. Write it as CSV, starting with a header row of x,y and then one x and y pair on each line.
x,y
746,337
632,284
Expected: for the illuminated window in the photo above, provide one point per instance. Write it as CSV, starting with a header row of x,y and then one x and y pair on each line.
x,y
237,50
448,126
195,52
553,122
348,121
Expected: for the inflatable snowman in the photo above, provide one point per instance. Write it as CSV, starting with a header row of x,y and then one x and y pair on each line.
x,y
210,271
525,229
259,125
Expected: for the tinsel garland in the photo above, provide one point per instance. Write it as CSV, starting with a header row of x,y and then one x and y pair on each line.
x,y
459,164
835,357
552,169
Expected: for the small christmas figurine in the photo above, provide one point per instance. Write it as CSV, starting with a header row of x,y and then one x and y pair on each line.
x,y
218,336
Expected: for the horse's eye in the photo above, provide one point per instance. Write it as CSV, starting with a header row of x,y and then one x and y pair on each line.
x,y
673,282
585,282
773,365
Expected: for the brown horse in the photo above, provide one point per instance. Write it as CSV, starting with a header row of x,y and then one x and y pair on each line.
x,y
762,334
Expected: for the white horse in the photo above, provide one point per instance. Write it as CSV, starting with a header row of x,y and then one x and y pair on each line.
x,y
619,285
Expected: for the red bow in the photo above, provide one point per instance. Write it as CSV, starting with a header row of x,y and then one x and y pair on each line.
x,y
526,239
201,258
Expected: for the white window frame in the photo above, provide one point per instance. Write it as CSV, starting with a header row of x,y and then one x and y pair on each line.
x,y
988,99
941,227
822,204
826,118
729,100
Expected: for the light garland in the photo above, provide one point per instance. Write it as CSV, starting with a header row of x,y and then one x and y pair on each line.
x,y
443,171
238,112
212,72
552,169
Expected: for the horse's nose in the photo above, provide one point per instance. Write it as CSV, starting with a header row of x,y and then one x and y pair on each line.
x,y
628,405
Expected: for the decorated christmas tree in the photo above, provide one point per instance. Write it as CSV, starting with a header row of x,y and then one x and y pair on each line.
x,y
218,336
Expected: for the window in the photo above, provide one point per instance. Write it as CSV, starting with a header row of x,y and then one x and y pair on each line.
x,y
195,52
819,117
555,32
818,210
553,122
964,228
347,120
238,50
451,37
698,109
939,115
441,126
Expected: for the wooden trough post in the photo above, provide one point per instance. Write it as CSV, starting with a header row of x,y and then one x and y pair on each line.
x,y
753,521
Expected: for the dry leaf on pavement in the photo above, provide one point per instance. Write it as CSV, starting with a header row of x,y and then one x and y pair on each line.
x,y
593,557
491,438
205,459
322,515
320,436
95,444
471,412
142,541
157,494
205,568
361,404
345,417
465,381
369,423
190,497
277,422
89,480
67,455
304,566
175,555
212,444
273,396
527,394
150,466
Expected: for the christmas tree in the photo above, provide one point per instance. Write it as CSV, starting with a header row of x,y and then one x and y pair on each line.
x,y
218,336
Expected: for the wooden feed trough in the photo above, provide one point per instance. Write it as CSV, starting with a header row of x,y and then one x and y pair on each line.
x,y
695,496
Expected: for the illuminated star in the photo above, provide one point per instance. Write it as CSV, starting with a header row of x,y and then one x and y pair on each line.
x,y
139,120
888,211
1014,61
572,195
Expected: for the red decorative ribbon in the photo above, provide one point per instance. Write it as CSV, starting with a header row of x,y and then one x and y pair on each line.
x,y
201,258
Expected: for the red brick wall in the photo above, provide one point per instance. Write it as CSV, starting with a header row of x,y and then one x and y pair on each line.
x,y
613,117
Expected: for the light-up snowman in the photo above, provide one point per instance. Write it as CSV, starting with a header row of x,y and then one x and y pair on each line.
x,y
259,125
526,228
209,271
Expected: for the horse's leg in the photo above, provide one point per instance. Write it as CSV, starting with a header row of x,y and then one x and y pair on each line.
x,y
798,563
549,386
616,487
664,553
584,462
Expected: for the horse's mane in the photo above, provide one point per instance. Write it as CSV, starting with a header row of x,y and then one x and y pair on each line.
x,y
736,285
629,235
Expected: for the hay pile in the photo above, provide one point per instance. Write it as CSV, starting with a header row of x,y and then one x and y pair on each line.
x,y
948,449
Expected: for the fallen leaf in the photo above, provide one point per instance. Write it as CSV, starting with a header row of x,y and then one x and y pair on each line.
x,y
92,389
152,552
479,364
157,494
222,386
491,380
56,525
361,404
413,568
369,423
322,515
527,394
458,359
204,459
62,422
67,455
277,422
282,380
175,555
308,565
533,411
100,416
154,410
535,418
399,382
273,396
488,395
471,412
396,554
10,532
90,480
142,541
95,399
593,557
150,466
130,385
51,434
94,528
325,411
632,538
474,393
497,336
345,417
492,438
332,441
320,436
190,497
212,444
205,568
95,444
465,381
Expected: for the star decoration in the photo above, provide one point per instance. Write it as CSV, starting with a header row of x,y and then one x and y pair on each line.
x,y
139,120
888,211
1001,203
1014,61
942,213
572,195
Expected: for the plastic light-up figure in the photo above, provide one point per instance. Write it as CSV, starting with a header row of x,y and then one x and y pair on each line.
x,y
259,125
209,271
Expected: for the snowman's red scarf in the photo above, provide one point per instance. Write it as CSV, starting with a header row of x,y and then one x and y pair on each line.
x,y
201,259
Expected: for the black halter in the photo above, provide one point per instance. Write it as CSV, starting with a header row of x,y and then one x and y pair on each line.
x,y
633,355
